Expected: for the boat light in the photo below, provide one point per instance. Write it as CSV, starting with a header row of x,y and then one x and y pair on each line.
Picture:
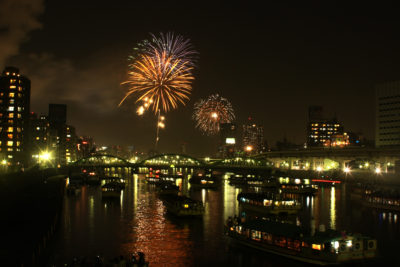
x,y
316,246
336,244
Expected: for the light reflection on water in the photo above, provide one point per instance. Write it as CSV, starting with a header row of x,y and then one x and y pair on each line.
x,y
138,221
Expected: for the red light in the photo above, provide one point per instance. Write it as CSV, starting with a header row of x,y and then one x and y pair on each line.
x,y
326,181
84,142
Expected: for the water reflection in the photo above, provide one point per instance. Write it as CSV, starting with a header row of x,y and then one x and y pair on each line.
x,y
138,221
333,209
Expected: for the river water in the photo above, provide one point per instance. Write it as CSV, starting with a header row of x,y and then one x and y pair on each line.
x,y
138,221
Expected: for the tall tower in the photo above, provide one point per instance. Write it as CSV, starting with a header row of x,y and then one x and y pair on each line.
x,y
58,131
227,144
387,121
15,91
253,138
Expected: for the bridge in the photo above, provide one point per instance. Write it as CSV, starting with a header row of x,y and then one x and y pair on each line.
x,y
335,158
170,161
308,159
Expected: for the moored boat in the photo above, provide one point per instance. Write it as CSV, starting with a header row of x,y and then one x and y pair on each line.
x,y
183,206
203,181
291,241
111,189
267,203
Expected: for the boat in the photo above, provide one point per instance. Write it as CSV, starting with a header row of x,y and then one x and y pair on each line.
x,y
290,185
203,181
246,180
268,203
183,206
112,189
166,188
378,198
289,240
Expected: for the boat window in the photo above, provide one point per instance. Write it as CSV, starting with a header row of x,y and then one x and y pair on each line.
x,y
316,246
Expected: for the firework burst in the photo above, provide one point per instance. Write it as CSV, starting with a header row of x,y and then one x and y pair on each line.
x,y
210,113
161,72
161,82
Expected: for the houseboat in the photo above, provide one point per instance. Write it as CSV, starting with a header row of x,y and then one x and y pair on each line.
x,y
183,206
268,203
291,241
290,185
111,189
203,181
166,188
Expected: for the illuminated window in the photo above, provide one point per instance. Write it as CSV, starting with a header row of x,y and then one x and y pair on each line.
x,y
19,95
19,109
10,136
19,115
13,80
9,149
10,156
20,88
37,138
11,115
12,87
1,94
11,94
11,108
18,129
10,121
1,115
10,143
11,129
38,128
11,101
18,143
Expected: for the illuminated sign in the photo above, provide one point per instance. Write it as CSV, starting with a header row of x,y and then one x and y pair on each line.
x,y
230,141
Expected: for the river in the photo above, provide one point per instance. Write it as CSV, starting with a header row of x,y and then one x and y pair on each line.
x,y
138,221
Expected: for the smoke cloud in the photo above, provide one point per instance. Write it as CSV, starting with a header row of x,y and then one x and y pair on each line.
x,y
17,19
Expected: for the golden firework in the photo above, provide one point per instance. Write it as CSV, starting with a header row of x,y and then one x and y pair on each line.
x,y
159,79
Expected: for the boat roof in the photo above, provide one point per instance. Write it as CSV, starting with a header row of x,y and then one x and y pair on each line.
x,y
292,231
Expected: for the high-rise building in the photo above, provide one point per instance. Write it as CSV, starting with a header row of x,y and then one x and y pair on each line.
x,y
387,105
321,130
14,117
58,131
71,144
39,137
86,146
253,138
227,147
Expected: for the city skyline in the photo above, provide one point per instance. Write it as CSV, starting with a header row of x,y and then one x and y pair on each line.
x,y
272,64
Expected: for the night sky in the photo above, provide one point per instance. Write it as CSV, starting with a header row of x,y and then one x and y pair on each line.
x,y
271,62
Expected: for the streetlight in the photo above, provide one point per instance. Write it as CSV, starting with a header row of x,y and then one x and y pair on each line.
x,y
346,170
45,156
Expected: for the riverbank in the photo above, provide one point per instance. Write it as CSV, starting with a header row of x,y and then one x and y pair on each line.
x,y
362,177
30,205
